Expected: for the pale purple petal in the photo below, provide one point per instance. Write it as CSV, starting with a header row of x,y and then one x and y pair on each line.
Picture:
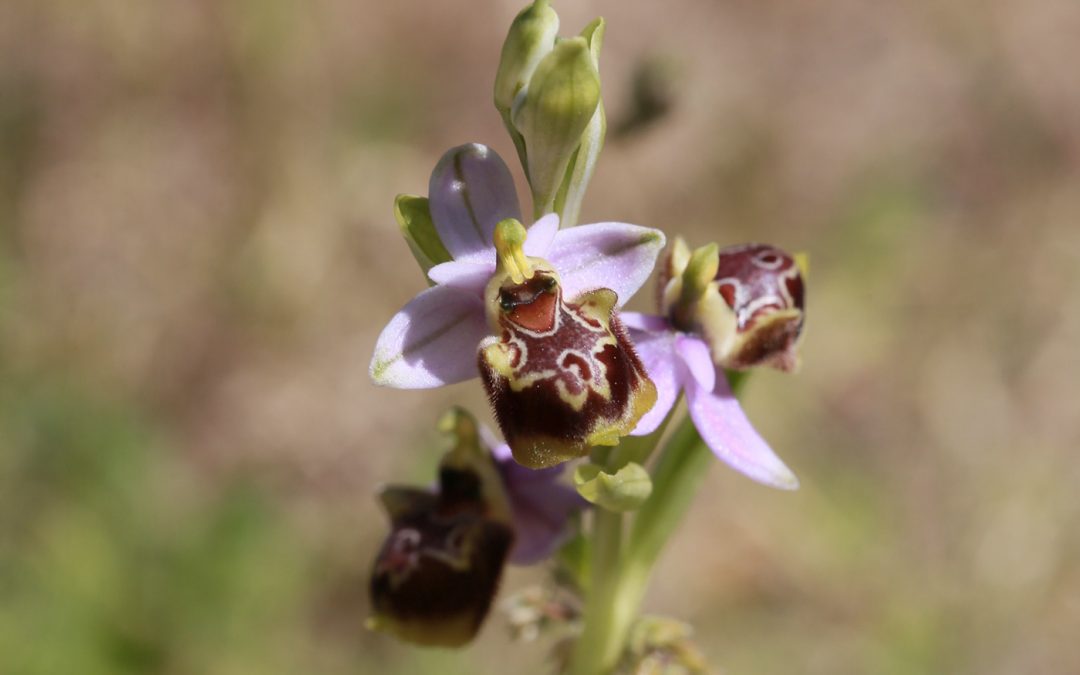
x,y
470,191
541,234
695,355
465,276
724,428
647,322
605,255
657,352
542,507
432,341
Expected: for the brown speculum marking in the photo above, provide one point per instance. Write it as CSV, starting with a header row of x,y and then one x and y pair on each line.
x,y
562,376
533,304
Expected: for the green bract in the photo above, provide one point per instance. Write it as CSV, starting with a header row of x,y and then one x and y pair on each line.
x,y
414,218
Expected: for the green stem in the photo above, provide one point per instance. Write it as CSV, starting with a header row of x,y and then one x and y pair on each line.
x,y
598,644
619,583
618,589
607,615
676,479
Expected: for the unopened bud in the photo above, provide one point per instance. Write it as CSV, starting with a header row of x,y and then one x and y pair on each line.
x,y
624,490
552,113
531,37
580,169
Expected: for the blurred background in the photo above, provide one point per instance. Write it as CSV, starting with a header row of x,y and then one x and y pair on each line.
x,y
197,252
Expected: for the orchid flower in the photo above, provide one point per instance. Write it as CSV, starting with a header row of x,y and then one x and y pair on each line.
x,y
439,568
734,308
539,304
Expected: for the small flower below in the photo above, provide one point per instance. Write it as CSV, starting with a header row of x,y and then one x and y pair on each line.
x,y
439,568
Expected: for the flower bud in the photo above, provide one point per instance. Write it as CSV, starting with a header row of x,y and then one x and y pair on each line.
x,y
531,37
624,490
562,376
659,645
551,114
583,163
438,570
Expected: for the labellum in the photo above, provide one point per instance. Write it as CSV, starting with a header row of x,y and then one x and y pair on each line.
x,y
763,287
562,375
438,570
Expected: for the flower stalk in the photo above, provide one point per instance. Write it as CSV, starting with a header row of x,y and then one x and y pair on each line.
x,y
624,561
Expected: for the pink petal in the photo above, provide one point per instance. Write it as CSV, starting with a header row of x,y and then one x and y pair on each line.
x,y
466,276
542,508
542,512
605,255
695,355
646,322
724,428
657,352
432,341
469,192
541,234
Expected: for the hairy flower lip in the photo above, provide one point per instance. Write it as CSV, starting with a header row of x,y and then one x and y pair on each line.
x,y
680,361
562,376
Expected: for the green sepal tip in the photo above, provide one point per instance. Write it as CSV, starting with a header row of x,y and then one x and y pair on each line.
x,y
413,216
700,272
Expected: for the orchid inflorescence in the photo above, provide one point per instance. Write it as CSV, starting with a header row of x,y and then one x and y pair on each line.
x,y
535,312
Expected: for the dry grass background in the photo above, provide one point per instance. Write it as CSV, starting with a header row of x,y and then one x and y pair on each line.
x,y
197,252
